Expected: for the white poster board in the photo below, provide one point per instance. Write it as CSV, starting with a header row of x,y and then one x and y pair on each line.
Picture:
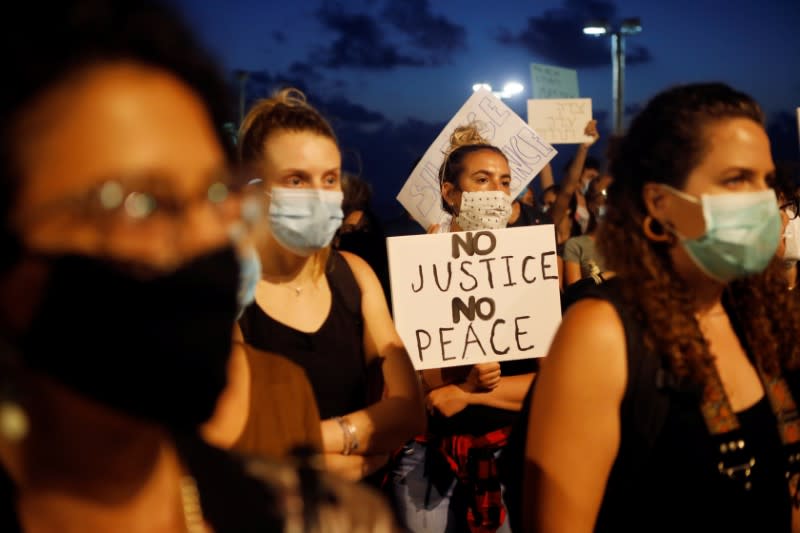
x,y
553,82
561,121
527,154
475,296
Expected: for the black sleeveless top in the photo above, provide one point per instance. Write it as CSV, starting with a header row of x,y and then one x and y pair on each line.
x,y
665,476
333,356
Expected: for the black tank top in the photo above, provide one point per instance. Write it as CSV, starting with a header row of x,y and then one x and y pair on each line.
x,y
665,477
333,356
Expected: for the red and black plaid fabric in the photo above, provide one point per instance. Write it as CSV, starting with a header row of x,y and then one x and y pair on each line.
x,y
472,460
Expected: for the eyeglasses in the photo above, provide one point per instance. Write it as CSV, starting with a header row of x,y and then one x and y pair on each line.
x,y
791,208
142,201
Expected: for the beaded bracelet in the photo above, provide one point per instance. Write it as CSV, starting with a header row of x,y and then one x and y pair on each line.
x,y
349,434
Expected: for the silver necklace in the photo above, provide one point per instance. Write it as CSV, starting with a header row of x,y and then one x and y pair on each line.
x,y
192,510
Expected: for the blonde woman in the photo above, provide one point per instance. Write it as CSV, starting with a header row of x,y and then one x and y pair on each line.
x,y
324,310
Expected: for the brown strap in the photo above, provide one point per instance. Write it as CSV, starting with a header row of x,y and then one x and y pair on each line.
x,y
720,417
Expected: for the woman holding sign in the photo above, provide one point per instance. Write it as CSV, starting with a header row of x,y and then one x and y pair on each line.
x,y
447,480
668,401
324,310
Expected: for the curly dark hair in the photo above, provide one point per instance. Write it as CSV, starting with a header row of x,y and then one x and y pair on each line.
x,y
46,45
663,144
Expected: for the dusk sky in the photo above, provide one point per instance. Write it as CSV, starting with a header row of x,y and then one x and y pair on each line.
x,y
391,73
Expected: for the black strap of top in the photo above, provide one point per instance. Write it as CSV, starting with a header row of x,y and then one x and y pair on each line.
x,y
344,283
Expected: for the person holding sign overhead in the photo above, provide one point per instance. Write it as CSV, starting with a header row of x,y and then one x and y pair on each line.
x,y
581,259
668,400
324,310
447,479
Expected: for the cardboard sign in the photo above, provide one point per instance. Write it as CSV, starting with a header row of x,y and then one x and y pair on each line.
x,y
561,121
527,154
475,296
554,82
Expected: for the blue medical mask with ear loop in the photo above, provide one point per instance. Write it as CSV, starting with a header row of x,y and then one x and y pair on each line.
x,y
305,220
249,276
742,233
247,254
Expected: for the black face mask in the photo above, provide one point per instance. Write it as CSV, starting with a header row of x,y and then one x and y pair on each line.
x,y
154,347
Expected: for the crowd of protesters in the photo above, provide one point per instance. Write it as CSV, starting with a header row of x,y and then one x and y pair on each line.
x,y
196,335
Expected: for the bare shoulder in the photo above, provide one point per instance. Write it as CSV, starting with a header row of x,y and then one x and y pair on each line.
x,y
590,346
361,270
597,319
354,262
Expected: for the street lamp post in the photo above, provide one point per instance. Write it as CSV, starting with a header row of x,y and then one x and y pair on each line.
x,y
629,26
242,76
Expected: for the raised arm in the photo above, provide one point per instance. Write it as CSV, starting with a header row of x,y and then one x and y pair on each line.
x,y
570,182
387,424
546,177
574,426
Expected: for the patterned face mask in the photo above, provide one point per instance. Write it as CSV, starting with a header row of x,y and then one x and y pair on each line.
x,y
483,210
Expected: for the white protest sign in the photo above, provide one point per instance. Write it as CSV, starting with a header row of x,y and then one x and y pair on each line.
x,y
553,82
527,154
561,121
475,296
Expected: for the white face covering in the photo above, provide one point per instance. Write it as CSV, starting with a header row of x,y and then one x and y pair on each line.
x,y
791,237
582,216
483,210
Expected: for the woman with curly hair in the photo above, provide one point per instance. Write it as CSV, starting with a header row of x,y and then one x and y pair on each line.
x,y
665,403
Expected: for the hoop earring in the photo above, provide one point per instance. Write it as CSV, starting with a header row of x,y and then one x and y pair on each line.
x,y
647,229
13,421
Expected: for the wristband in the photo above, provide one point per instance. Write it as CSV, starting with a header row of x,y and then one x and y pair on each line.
x,y
349,434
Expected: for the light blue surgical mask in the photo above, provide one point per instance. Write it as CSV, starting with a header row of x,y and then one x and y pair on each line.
x,y
305,220
249,276
249,265
742,233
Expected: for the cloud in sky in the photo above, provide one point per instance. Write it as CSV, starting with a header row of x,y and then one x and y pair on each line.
x,y
557,36
360,43
362,40
434,33
339,109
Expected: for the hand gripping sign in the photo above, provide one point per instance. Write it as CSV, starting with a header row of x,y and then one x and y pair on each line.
x,y
527,154
475,296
